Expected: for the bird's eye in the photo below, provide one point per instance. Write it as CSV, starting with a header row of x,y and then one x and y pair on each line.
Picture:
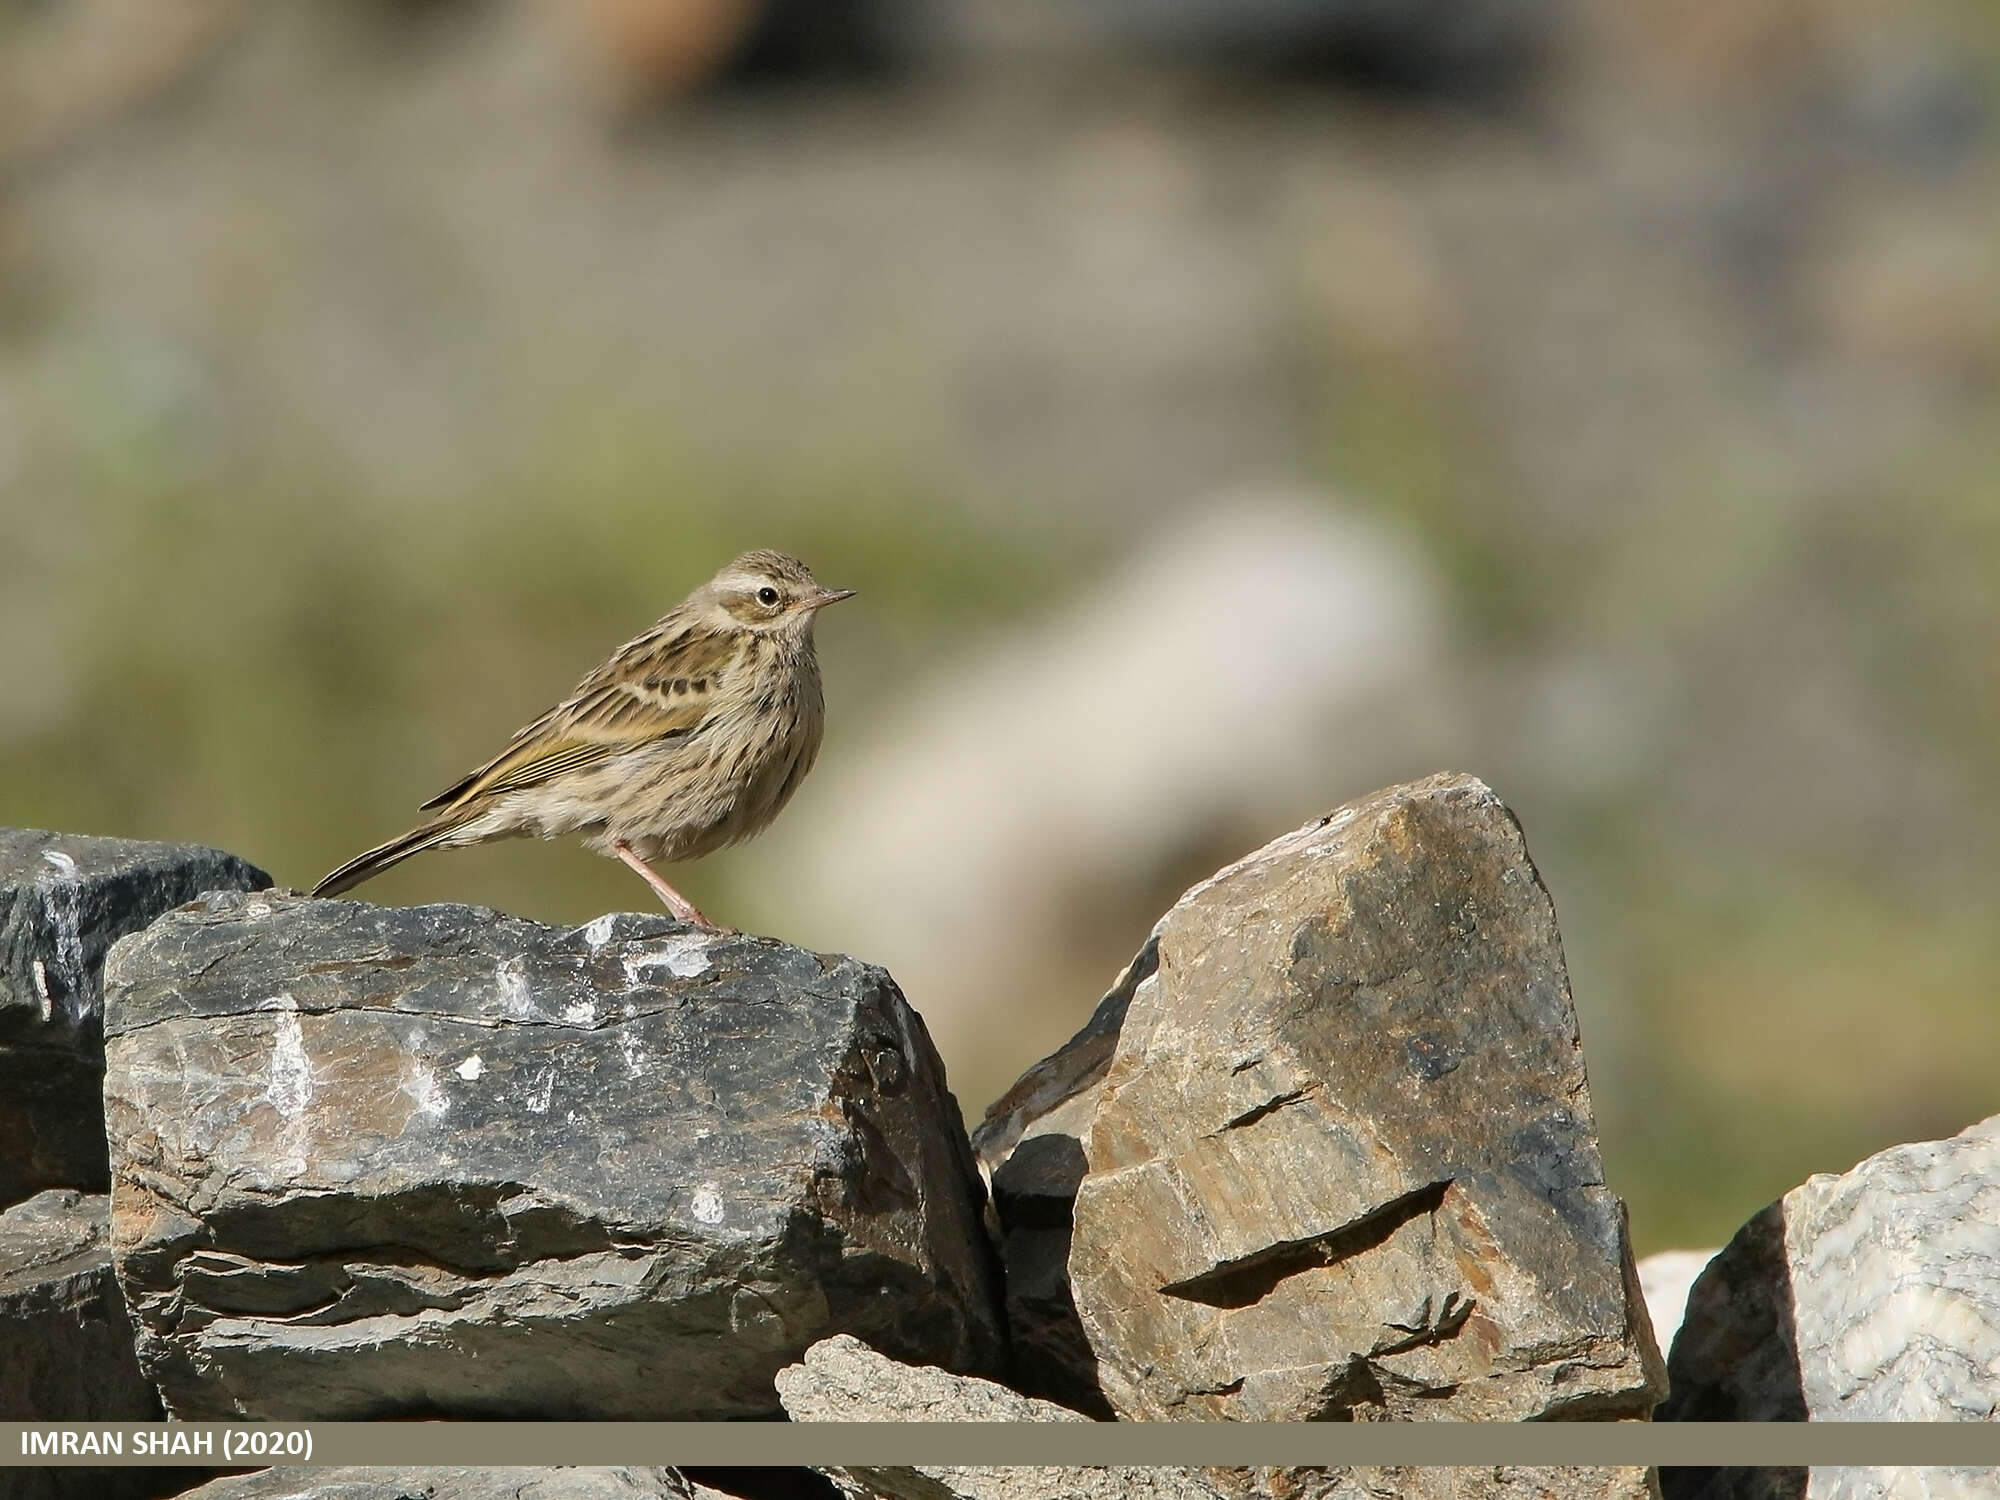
x,y
767,596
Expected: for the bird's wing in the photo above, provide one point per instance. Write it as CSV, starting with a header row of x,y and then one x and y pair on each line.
x,y
661,686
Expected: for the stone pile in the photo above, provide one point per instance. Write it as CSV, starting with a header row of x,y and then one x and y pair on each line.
x,y
1325,1151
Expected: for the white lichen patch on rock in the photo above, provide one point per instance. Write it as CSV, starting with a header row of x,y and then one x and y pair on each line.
x,y
684,955
290,1086
510,984
421,1084
62,905
543,1091
633,1051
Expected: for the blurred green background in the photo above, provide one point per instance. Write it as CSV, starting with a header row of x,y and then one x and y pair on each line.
x,y
1222,410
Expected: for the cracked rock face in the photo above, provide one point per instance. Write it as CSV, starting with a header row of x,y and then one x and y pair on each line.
x,y
64,899
1871,1296
372,1162
1342,1163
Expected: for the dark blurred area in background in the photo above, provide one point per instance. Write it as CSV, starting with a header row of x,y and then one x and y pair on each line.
x,y
1222,408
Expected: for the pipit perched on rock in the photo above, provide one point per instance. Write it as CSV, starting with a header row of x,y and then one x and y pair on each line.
x,y
688,738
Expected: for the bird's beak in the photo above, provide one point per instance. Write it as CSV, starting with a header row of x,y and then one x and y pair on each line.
x,y
828,596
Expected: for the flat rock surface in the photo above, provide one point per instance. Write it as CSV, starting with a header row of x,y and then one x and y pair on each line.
x,y
374,1162
1871,1296
1342,1162
499,1483
841,1379
66,1340
64,899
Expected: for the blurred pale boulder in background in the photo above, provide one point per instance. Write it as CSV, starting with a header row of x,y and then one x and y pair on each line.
x,y
1261,658
1665,1278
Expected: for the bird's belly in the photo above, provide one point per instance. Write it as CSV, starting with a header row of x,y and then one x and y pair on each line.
x,y
680,805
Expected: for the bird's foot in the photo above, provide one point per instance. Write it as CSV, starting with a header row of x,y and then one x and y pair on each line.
x,y
675,902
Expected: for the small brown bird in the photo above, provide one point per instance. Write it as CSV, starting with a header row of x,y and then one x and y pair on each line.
x,y
687,739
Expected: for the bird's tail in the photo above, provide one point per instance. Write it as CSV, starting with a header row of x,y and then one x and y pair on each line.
x,y
366,866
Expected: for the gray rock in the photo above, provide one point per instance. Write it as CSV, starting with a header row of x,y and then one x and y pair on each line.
x,y
841,1379
1868,1296
89,1482
373,1162
373,1483
1929,1482
1343,1161
64,900
63,1326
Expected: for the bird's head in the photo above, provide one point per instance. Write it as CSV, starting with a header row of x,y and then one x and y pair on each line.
x,y
769,592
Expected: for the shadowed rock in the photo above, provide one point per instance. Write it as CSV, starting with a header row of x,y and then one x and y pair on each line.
x,y
436,1160
1030,1147
456,1484
68,1342
1342,1162
1869,1296
64,899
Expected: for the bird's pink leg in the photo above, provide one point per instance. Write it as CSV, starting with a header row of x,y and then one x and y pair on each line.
x,y
678,904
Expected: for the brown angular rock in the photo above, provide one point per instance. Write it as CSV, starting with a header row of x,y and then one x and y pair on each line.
x,y
1342,1163
375,1162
